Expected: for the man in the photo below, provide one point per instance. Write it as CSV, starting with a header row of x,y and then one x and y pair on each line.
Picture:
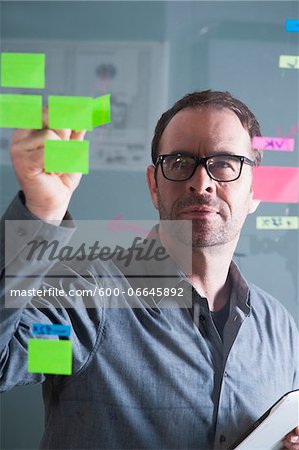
x,y
152,376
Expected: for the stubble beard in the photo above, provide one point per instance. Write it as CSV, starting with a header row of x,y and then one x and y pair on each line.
x,y
205,232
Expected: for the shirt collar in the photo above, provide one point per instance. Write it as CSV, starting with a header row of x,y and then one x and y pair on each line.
x,y
147,271
157,273
240,295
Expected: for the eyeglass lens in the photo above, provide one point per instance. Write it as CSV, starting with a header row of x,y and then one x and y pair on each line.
x,y
221,168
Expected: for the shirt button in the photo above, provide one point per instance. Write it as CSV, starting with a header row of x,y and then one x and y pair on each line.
x,y
225,374
202,318
222,438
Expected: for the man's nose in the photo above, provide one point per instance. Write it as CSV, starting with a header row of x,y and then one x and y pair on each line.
x,y
200,181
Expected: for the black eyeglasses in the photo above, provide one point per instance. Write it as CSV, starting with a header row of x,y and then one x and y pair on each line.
x,y
222,167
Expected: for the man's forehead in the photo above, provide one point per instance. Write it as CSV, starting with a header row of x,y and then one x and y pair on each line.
x,y
219,125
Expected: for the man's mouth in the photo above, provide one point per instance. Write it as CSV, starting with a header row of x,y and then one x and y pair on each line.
x,y
199,210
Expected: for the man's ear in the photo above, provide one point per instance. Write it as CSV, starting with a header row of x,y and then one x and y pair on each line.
x,y
254,203
152,184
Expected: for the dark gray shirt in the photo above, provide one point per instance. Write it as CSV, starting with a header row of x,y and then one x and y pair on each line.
x,y
148,377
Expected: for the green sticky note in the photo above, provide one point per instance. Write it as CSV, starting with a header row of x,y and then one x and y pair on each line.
x,y
66,156
70,112
23,70
50,356
21,111
101,110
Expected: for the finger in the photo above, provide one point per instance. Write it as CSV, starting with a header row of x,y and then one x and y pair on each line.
x,y
291,446
35,162
18,135
71,179
63,133
78,135
291,441
29,165
293,435
45,117
34,141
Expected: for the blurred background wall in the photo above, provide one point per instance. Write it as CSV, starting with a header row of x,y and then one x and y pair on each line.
x,y
147,55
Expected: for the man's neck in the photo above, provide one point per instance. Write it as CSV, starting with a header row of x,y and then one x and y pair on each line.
x,y
210,269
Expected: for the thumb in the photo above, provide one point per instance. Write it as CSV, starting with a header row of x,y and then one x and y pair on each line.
x,y
78,135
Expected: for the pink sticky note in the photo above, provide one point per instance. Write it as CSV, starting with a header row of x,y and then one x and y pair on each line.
x,y
273,143
276,184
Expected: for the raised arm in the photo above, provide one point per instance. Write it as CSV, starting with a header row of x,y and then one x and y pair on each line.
x,y
44,198
47,195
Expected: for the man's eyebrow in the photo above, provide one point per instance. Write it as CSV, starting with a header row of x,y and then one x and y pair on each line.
x,y
223,151
189,153
177,152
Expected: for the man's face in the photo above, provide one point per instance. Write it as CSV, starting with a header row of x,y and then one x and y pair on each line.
x,y
217,209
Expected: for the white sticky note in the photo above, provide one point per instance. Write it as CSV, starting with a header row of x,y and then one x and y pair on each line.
x,y
289,61
277,223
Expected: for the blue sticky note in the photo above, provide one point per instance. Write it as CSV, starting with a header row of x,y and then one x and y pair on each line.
x,y
292,25
51,329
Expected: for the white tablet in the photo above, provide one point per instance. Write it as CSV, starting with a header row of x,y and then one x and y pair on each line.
x,y
269,430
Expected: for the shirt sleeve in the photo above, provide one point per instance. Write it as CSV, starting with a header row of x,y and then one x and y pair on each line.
x,y
21,277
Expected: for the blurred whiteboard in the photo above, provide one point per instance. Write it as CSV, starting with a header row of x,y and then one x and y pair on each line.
x,y
134,73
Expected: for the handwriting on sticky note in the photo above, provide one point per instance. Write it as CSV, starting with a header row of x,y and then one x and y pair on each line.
x,y
289,61
273,143
66,156
23,70
21,111
75,113
50,356
51,329
276,184
292,25
277,223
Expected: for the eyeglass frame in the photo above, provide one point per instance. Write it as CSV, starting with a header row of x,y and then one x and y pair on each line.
x,y
198,161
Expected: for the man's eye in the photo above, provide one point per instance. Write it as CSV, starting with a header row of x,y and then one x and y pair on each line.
x,y
222,164
180,163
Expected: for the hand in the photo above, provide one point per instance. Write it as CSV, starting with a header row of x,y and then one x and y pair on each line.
x,y
291,441
47,195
